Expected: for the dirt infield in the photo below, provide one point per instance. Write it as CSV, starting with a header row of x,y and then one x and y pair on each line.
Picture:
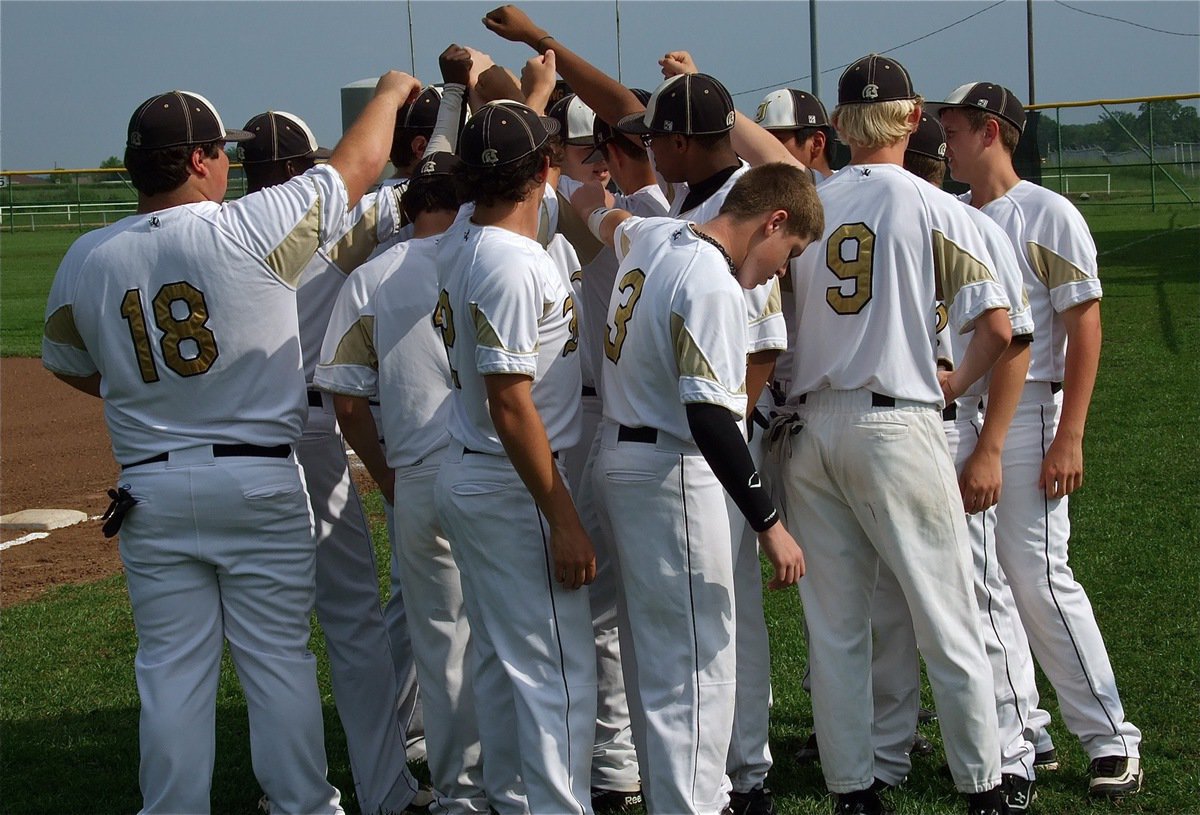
x,y
54,453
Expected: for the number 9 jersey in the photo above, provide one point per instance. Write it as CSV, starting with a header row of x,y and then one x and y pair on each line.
x,y
869,286
189,316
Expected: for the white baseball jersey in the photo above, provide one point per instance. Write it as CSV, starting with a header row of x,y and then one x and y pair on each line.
x,y
1057,257
163,298
784,363
951,344
374,221
869,286
505,308
393,352
676,315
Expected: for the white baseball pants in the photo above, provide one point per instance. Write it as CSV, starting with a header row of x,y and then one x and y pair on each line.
x,y
222,549
532,651
395,619
1032,533
868,484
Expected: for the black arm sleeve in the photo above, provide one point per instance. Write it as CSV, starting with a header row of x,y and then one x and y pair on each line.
x,y
715,430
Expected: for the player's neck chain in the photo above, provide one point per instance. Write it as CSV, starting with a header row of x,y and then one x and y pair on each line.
x,y
709,239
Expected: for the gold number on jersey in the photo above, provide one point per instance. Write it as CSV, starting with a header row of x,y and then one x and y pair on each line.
x,y
569,311
131,310
941,318
188,345
614,336
443,320
850,254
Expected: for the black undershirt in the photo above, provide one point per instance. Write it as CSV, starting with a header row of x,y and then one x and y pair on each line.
x,y
701,191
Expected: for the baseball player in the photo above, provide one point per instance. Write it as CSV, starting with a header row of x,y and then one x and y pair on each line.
x,y
393,352
506,314
1043,455
869,471
975,444
182,318
347,587
799,121
674,380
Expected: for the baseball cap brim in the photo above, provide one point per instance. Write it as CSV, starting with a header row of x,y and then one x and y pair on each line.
x,y
635,124
238,135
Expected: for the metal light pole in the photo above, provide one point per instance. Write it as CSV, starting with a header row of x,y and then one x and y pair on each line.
x,y
1029,37
812,47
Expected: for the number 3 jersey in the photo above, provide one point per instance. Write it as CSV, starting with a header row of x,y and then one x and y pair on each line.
x,y
504,307
189,316
676,328
893,247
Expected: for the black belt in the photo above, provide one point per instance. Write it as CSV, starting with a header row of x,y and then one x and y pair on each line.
x,y
1055,387
950,412
314,399
877,400
226,450
588,390
642,435
553,453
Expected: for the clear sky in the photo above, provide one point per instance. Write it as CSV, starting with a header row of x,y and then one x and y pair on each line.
x,y
71,73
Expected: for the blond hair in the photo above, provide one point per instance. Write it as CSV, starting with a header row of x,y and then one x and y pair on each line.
x,y
874,124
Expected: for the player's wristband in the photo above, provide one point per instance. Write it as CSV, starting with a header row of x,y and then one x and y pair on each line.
x,y
595,219
537,46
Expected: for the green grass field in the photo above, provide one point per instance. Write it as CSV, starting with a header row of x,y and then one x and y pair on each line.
x,y
68,702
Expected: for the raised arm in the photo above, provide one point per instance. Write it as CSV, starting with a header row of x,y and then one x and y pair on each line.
x,y
361,154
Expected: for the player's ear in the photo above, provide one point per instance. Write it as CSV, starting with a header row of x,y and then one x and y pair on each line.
x,y
196,162
418,145
991,131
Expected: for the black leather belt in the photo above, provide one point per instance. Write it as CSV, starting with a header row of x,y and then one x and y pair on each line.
x,y
314,399
227,450
588,390
1055,387
553,453
950,412
642,435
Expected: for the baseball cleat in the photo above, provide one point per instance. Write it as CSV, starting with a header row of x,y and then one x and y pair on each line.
x,y
606,801
926,715
1046,761
757,801
988,802
809,753
921,747
1115,776
1019,793
862,802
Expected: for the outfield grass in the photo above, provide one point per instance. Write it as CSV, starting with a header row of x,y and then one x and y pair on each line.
x,y
68,703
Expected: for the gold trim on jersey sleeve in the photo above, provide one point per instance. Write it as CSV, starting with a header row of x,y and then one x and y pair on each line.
x,y
625,244
774,303
575,230
689,357
1053,269
956,268
289,259
357,346
544,234
485,335
352,249
61,330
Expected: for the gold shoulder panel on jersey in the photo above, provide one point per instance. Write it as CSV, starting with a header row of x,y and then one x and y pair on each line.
x,y
60,328
573,228
352,249
1052,268
774,303
955,268
293,253
485,335
625,244
688,356
544,234
357,346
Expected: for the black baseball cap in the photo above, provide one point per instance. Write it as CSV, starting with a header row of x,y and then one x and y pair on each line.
x,y
422,112
279,136
790,109
503,132
928,139
987,96
874,78
603,132
688,104
178,118
575,120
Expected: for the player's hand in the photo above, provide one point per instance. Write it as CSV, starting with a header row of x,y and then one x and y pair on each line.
x,y
455,63
537,81
513,24
675,63
590,196
404,86
787,559
496,83
980,481
574,557
949,390
1062,468
480,62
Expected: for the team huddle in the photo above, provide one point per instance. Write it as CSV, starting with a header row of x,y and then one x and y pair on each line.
x,y
600,348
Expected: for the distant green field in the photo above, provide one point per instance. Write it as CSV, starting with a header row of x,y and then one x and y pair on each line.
x,y
68,702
